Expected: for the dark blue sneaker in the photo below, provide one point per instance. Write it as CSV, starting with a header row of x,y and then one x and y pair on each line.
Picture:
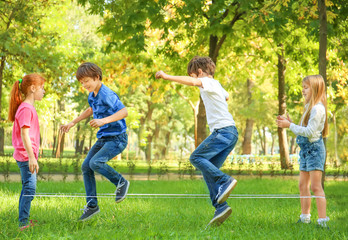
x,y
89,212
225,190
220,216
121,190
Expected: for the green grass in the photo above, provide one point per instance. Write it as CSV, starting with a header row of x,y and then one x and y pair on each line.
x,y
173,218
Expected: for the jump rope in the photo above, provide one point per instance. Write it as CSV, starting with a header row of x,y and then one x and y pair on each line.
x,y
162,195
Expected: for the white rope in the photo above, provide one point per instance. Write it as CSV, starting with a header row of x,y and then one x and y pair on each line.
x,y
164,195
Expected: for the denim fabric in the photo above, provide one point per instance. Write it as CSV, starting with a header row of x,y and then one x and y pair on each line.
x,y
102,151
209,157
28,188
312,154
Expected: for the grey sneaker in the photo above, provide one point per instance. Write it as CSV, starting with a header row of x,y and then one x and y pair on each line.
x,y
89,212
121,190
225,190
220,216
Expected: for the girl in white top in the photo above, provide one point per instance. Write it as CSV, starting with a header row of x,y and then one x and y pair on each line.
x,y
313,127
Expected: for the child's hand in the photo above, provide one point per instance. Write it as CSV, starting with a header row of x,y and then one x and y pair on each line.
x,y
33,166
65,128
161,74
288,117
97,123
282,122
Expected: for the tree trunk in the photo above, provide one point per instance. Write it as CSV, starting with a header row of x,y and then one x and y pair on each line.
x,y
156,137
77,141
246,145
248,133
54,132
148,150
201,123
293,146
283,142
2,130
264,141
322,55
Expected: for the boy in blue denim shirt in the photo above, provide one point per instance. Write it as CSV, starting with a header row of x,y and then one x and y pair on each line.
x,y
109,115
213,151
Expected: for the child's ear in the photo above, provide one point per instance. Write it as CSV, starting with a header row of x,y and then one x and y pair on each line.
x,y
32,88
200,72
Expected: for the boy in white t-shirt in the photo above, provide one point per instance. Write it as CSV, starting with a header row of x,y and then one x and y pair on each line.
x,y
213,151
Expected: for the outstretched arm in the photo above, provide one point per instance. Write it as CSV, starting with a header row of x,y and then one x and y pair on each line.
x,y
185,80
88,112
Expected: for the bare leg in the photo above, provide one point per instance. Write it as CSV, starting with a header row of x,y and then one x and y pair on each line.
x,y
317,189
304,191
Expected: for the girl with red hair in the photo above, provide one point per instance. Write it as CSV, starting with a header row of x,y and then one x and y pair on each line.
x,y
26,138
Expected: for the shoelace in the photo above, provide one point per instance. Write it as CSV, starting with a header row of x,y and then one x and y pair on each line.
x,y
119,186
219,192
85,208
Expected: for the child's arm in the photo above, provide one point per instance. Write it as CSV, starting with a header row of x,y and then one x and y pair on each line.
x,y
189,81
88,112
283,122
33,165
121,114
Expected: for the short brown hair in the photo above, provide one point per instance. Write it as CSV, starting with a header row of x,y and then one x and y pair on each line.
x,y
205,63
88,69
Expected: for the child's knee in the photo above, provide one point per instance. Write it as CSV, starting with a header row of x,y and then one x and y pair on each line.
x,y
85,167
317,188
94,165
303,187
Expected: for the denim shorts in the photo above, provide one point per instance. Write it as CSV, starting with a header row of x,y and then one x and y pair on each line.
x,y
312,154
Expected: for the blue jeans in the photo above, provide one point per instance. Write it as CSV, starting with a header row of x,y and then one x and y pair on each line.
x,y
312,154
102,151
209,157
28,188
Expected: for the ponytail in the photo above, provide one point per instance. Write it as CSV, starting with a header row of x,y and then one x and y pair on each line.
x,y
15,100
21,88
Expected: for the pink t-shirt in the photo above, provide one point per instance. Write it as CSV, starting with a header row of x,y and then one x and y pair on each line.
x,y
25,116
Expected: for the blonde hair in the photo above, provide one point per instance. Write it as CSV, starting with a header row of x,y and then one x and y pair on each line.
x,y
318,94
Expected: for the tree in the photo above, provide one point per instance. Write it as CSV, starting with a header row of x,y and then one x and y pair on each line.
x,y
19,28
187,28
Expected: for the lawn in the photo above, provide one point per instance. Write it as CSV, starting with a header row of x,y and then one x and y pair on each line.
x,y
151,218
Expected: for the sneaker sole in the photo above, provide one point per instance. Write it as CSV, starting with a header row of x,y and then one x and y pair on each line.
x,y
218,220
223,198
121,199
90,216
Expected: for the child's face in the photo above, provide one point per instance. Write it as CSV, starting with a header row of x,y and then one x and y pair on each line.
x,y
39,92
306,91
90,84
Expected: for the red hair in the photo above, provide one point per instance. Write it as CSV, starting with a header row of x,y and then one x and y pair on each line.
x,y
22,89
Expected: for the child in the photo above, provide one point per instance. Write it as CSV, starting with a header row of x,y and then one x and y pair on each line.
x,y
212,152
26,138
313,127
109,113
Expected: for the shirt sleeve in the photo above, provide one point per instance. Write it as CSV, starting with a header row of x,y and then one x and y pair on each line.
x,y
317,114
114,102
207,85
24,117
